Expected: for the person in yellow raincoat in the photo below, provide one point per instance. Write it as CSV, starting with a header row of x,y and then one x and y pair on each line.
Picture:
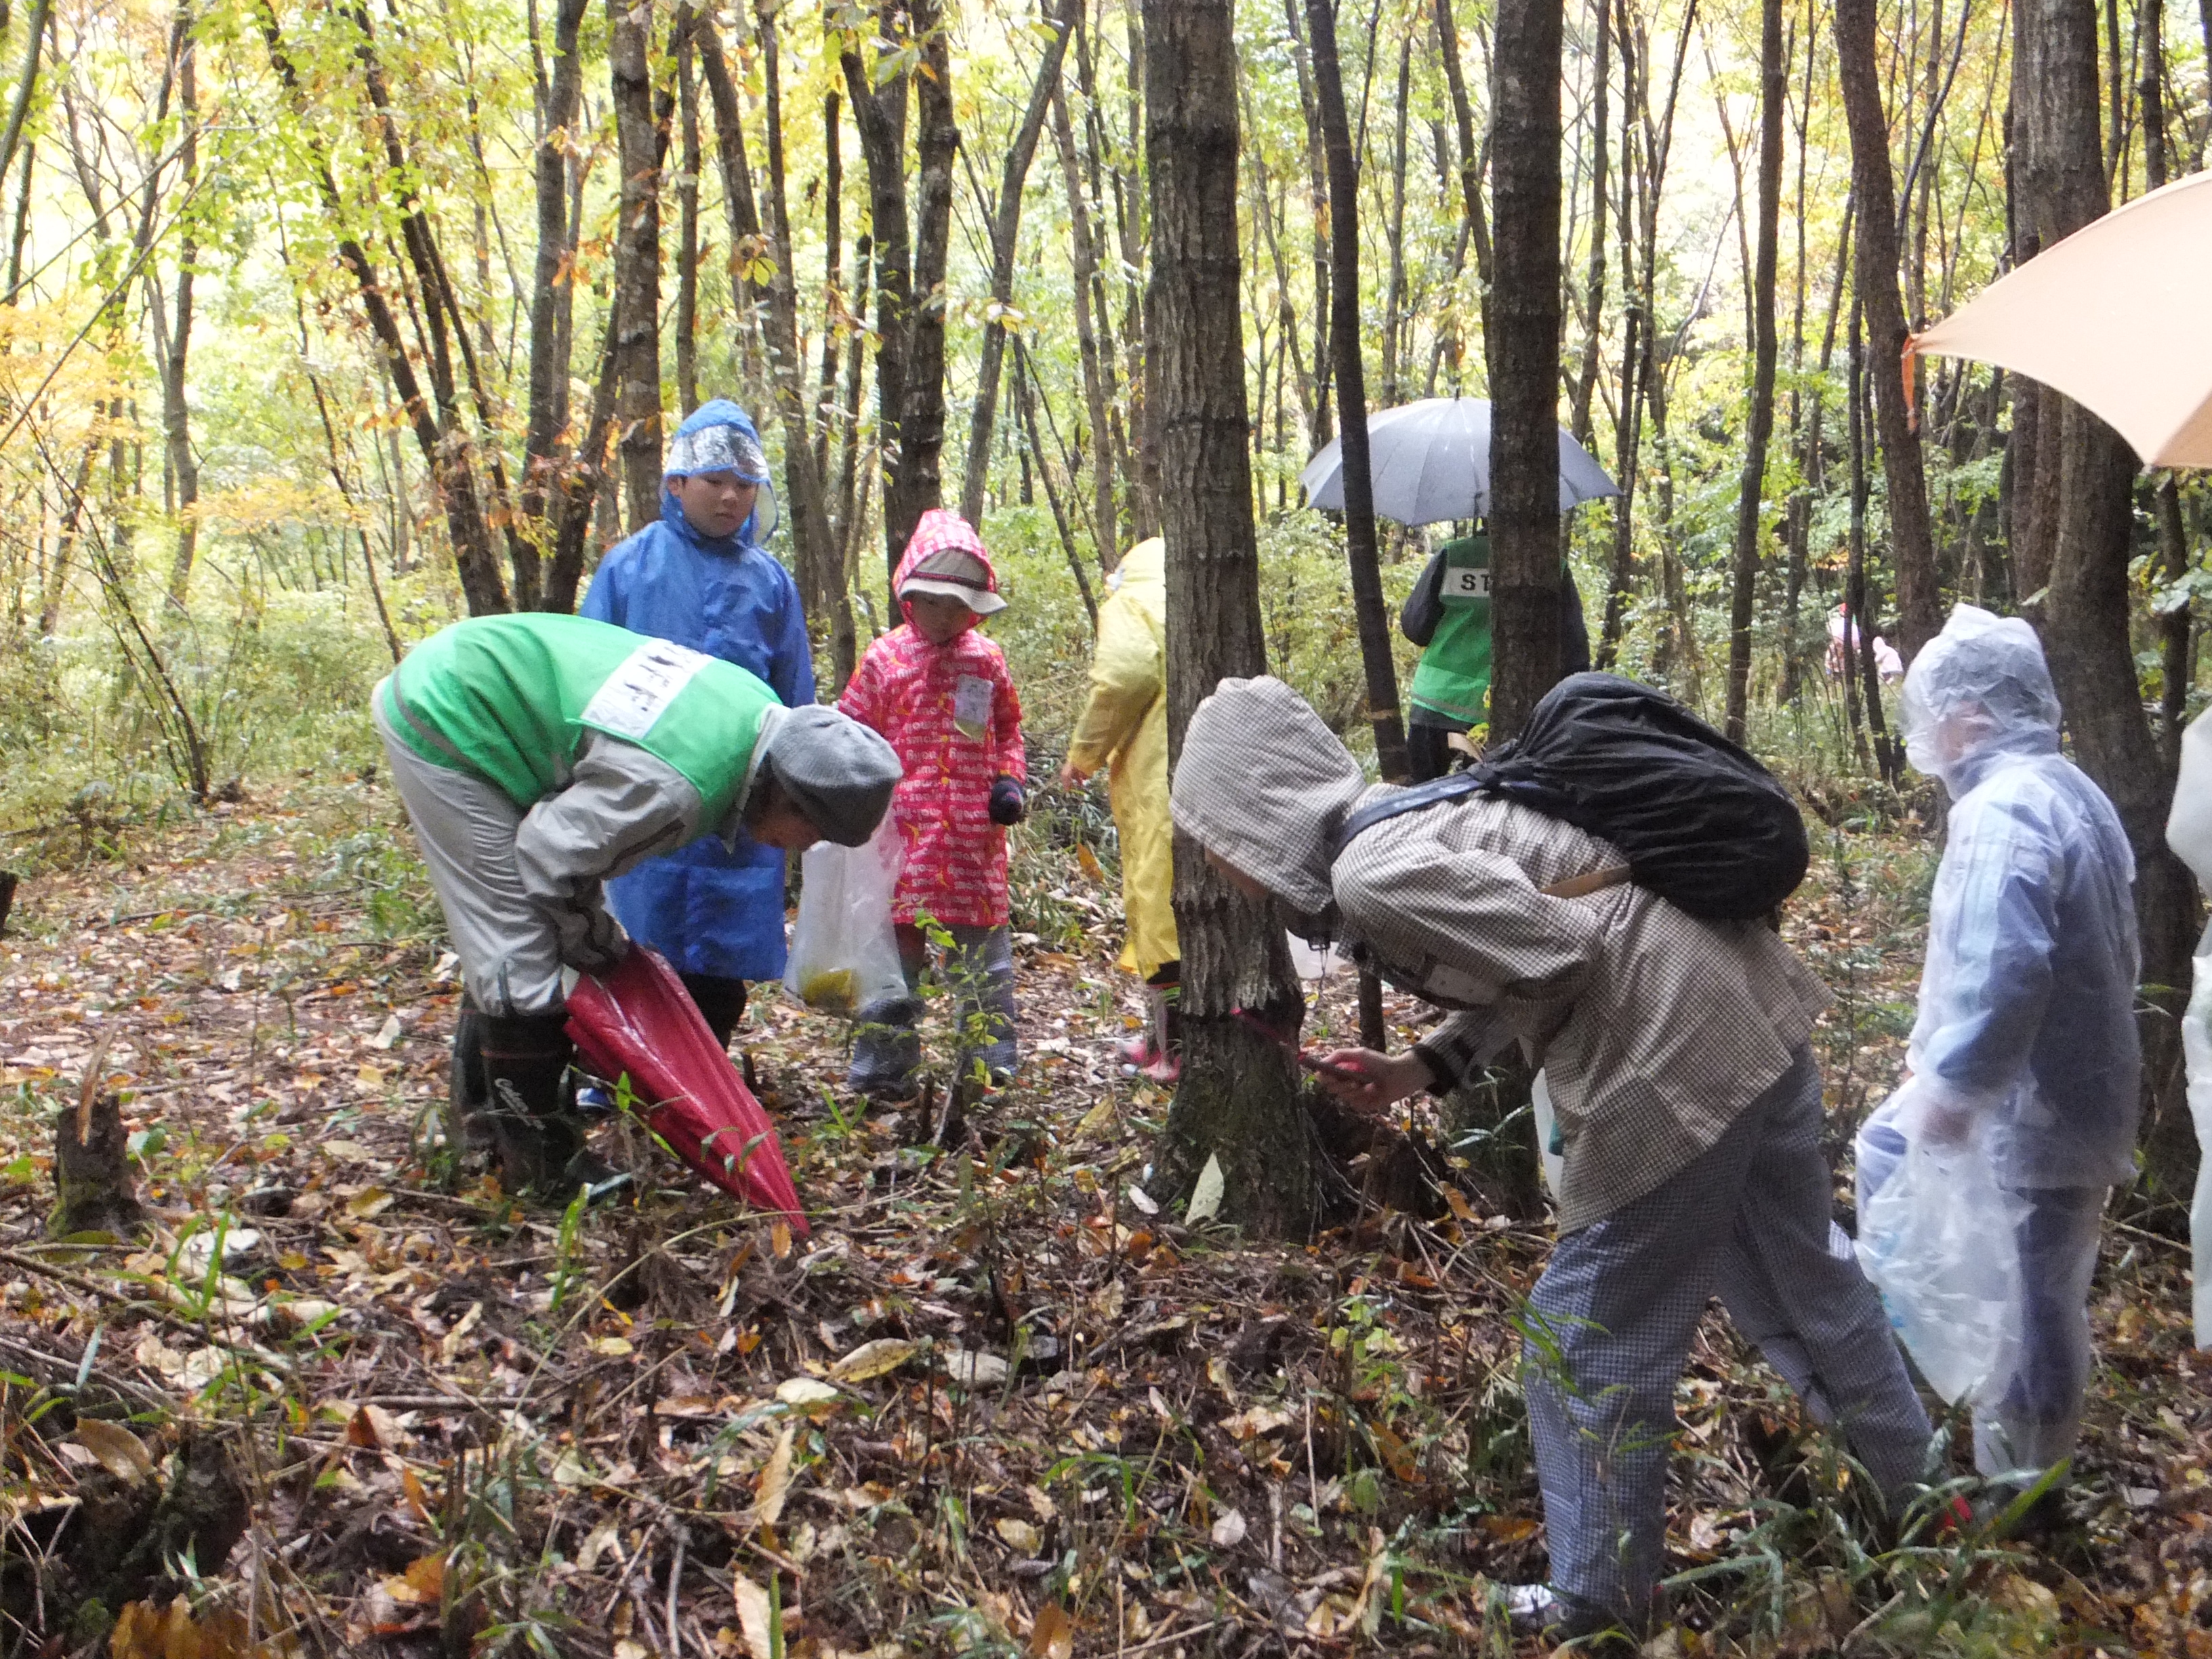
x,y
1125,728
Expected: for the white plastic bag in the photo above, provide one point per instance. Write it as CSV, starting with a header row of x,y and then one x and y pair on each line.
x,y
844,955
1548,1130
2189,832
2196,1052
1936,1238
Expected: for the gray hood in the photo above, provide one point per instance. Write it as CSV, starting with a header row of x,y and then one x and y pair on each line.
x,y
1263,784
838,772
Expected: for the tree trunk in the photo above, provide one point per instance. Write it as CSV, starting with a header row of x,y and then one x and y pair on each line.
x,y
1585,386
821,567
1083,249
2084,615
1752,491
1394,294
833,203
687,219
551,286
1317,184
1006,236
637,264
1359,550
2165,496
918,484
1237,1099
879,116
176,415
1470,158
1912,548
1523,339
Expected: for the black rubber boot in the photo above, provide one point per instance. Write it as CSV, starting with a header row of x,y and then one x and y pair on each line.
x,y
469,1093
721,1003
539,1142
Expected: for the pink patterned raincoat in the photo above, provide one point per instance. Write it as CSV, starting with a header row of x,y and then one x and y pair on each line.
x,y
952,714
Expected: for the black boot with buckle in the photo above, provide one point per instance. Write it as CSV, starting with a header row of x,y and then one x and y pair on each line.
x,y
539,1141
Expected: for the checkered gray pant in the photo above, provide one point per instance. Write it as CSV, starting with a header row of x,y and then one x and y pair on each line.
x,y
1619,1303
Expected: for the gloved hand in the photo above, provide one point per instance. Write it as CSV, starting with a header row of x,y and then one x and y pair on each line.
x,y
1007,801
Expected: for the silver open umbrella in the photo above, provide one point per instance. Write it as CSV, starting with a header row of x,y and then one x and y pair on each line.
x,y
1431,462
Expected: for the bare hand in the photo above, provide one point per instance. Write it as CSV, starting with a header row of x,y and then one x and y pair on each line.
x,y
1376,1080
1070,778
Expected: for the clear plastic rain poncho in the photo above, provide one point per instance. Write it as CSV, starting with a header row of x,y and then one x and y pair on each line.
x,y
2189,832
1981,1179
2027,1002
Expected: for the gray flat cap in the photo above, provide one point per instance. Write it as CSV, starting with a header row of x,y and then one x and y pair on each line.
x,y
838,772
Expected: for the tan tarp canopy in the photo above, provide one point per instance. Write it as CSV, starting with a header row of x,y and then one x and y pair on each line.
x,y
2118,317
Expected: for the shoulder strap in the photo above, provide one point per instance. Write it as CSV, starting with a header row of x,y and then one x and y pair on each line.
x,y
1458,786
1453,786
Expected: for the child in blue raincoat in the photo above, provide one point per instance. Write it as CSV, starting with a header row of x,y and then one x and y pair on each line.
x,y
703,577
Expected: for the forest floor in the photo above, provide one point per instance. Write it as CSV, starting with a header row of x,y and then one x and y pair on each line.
x,y
994,1404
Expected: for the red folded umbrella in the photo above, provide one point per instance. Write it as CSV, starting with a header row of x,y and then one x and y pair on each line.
x,y
639,1019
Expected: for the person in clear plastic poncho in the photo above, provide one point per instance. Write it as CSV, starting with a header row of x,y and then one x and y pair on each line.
x,y
2026,1044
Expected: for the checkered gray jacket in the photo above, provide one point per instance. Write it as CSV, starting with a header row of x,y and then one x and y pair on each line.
x,y
1656,1029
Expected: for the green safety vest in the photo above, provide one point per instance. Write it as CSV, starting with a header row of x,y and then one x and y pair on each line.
x,y
511,698
1453,679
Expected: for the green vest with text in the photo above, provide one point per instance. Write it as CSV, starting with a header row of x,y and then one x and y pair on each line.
x,y
510,699
1453,679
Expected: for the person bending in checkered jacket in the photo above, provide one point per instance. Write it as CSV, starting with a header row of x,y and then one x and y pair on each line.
x,y
1686,1092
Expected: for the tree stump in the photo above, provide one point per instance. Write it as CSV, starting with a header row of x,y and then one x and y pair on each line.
x,y
92,1169
9,879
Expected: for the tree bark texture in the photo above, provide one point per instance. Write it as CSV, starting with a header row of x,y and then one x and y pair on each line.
x,y
1913,553
637,264
1523,338
918,484
1105,527
880,115
1372,614
821,570
687,218
176,414
1773,92
2085,515
551,286
1238,1098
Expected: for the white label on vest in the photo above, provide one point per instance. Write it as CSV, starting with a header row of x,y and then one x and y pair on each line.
x,y
646,683
972,706
1465,581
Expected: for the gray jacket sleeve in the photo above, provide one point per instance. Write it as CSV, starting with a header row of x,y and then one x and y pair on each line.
x,y
621,806
1463,1041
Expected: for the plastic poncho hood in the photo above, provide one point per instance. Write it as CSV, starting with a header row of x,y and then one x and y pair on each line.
x,y
946,557
1264,785
838,772
1978,691
719,437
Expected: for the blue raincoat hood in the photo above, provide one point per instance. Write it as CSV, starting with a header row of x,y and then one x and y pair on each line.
x,y
756,530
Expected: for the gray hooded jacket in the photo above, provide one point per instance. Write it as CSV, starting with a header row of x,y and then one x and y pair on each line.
x,y
1656,1029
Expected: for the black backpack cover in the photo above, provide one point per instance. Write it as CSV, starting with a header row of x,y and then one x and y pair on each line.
x,y
1701,822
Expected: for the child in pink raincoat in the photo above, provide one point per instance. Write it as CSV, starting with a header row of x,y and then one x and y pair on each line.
x,y
940,692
